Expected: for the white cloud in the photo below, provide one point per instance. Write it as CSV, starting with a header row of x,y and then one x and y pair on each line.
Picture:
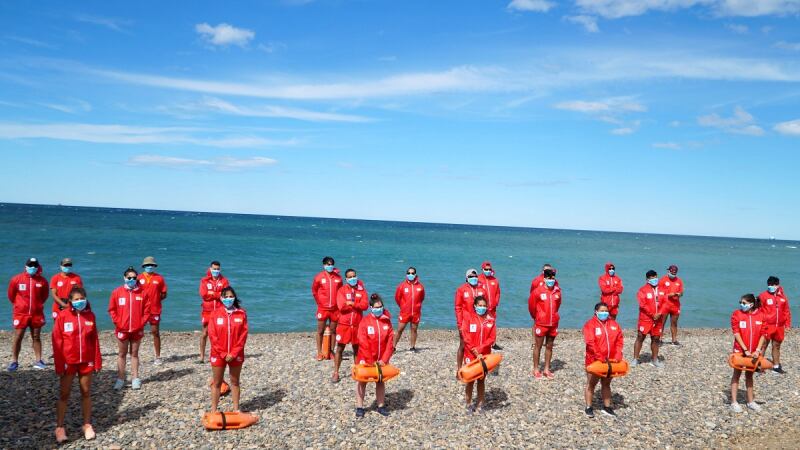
x,y
623,131
72,107
589,23
531,5
108,22
667,145
224,34
742,122
791,128
216,105
29,41
614,9
609,105
225,163
738,28
793,46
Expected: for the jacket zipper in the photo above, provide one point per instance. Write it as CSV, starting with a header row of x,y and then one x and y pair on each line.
x,y
412,298
378,326
229,333
750,317
30,294
130,311
80,339
608,343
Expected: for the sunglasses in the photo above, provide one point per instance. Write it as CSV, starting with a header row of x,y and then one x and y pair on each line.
x,y
411,273
130,278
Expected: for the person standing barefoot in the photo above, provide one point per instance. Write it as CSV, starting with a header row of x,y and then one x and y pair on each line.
x,y
155,288
409,296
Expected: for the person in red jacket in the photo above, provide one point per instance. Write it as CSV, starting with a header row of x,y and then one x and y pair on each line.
x,y
211,287
604,341
750,330
610,289
492,285
778,315
61,285
155,288
375,338
351,300
324,288
479,331
651,309
227,331
543,305
27,292
409,296
76,351
129,309
463,302
538,280
672,286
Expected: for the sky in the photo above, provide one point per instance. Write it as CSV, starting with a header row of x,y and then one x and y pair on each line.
x,y
660,116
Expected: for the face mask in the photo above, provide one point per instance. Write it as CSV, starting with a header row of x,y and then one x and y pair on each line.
x,y
602,315
352,281
481,310
411,277
488,273
215,272
79,305
31,270
328,268
672,275
149,269
66,269
549,282
653,282
772,289
745,307
228,301
377,312
130,284
611,272
473,281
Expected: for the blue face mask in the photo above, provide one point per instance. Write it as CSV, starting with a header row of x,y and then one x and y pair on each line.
x,y
473,281
481,310
611,272
377,312
149,269
130,284
352,281
215,272
228,301
328,268
653,282
602,315
411,277
745,307
66,269
31,270
488,273
550,282
79,305
772,289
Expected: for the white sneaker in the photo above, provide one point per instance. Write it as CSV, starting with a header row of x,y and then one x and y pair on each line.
x,y
754,406
634,363
736,407
157,362
136,384
657,364
119,384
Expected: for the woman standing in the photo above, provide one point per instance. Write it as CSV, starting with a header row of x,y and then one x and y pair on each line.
x,y
604,341
750,331
351,300
375,346
409,296
227,332
129,309
479,332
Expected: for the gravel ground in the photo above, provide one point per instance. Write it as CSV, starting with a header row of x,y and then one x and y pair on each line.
x,y
683,405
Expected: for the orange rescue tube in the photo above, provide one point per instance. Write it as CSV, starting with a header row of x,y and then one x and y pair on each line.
x,y
749,364
608,369
228,420
224,388
477,370
372,373
326,343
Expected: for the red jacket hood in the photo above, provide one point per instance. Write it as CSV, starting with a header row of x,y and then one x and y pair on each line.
x,y
608,266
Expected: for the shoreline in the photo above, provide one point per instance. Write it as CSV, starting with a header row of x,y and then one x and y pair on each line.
x,y
682,405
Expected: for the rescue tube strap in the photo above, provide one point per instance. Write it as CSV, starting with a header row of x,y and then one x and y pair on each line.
x,y
224,420
380,372
483,365
608,374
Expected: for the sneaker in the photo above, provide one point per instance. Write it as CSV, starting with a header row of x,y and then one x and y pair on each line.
x,y
383,411
413,349
88,432
136,384
778,369
676,343
157,362
607,411
13,366
657,364
496,347
119,384
335,378
470,410
359,413
61,435
39,365
496,371
754,406
736,407
549,375
589,412
537,375
634,362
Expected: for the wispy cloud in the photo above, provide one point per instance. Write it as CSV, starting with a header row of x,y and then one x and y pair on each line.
x,y
667,145
224,34
791,128
72,107
589,23
611,110
614,9
742,122
738,28
224,164
793,46
217,105
531,5
32,42
111,23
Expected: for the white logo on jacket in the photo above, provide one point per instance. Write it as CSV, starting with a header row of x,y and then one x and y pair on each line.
x,y
68,327
220,321
60,283
370,330
122,301
742,324
598,331
23,287
473,328
543,296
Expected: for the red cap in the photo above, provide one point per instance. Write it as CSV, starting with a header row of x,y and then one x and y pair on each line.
x,y
673,268
486,265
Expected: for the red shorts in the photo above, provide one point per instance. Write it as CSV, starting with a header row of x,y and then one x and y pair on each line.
x,y
405,318
672,307
776,333
205,317
155,319
654,329
346,334
22,321
540,330
325,314
219,361
135,335
80,369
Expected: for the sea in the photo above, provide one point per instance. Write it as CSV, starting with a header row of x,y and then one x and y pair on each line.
x,y
271,260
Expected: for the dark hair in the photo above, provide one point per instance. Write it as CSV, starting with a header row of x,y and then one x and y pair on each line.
x,y
411,267
477,299
348,271
328,260
215,263
750,298
236,303
546,265
129,270
650,274
375,298
549,273
600,305
773,281
77,290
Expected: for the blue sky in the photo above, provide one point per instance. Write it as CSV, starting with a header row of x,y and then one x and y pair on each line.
x,y
665,116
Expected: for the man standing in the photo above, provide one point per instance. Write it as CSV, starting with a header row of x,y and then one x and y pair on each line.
x,y
155,288
60,285
211,287
610,289
324,288
492,285
778,316
672,286
27,291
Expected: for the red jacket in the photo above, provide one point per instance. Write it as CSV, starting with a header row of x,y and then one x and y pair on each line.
x,y
651,302
671,286
479,332
375,339
409,296
610,288
776,309
28,293
227,332
351,314
465,299
538,281
325,287
155,288
604,340
750,326
492,286
543,305
129,308
75,340
62,283
211,291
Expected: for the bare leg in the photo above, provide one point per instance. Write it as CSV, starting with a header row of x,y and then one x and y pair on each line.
x,y
203,338
36,336
320,331
637,346
605,391
548,352
414,328
481,392
218,374
588,393
121,359
333,334
380,393
460,353
468,393
235,388
673,326
735,385
654,341
85,382
361,390
16,345
776,352
154,330
63,398
337,360
135,358
399,332
537,351
748,383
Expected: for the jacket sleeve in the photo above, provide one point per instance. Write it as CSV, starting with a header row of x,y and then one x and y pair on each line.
x,y
735,324
58,346
148,300
213,335
315,288
606,288
457,308
361,337
363,304
788,323
532,304
204,291
398,295
621,288
112,309
98,355
588,339
662,305
341,302
421,293
643,307
12,289
619,345
486,348
388,348
163,290
238,347
497,300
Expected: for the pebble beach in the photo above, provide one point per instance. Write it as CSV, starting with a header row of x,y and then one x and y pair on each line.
x,y
684,405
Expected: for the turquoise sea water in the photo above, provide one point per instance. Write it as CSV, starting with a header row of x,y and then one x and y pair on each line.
x,y
271,260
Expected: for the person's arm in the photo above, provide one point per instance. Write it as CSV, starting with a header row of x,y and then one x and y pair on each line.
x,y
497,300
388,349
737,334
362,304
619,345
112,308
56,299
315,285
213,335
486,348
238,346
147,300
457,307
787,314
588,339
532,305
606,288
362,339
398,294
342,304
58,346
163,289
620,288
12,289
98,355
421,297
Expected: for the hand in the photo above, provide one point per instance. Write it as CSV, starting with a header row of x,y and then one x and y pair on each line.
x,y
380,363
756,354
480,356
613,361
229,358
657,317
747,353
350,303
